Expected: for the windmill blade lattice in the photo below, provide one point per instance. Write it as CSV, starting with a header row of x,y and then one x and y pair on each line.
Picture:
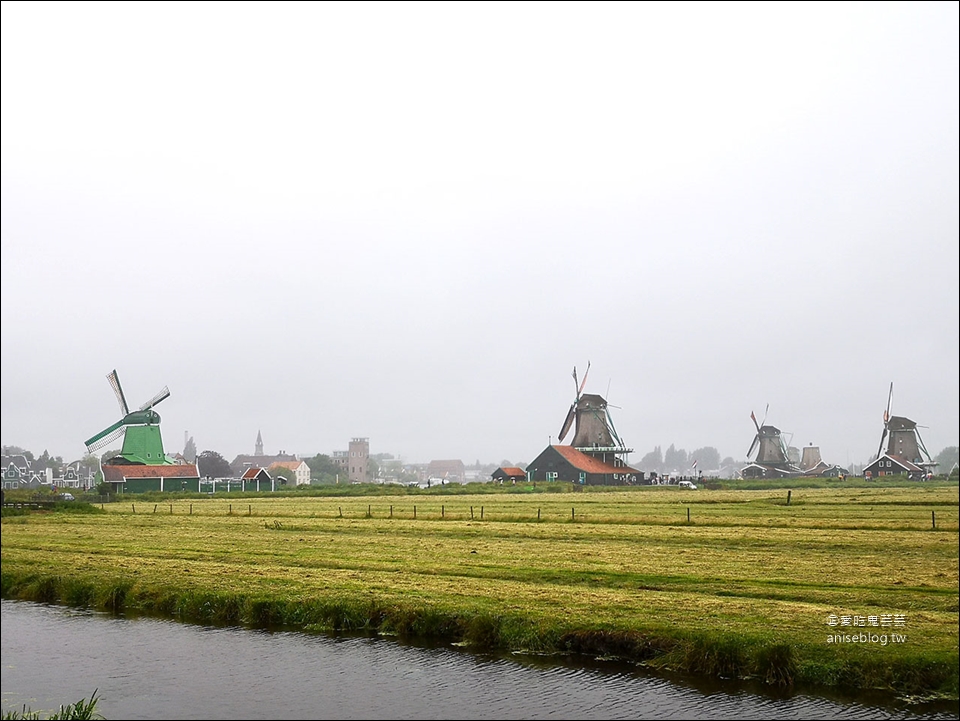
x,y
104,441
886,421
164,393
114,381
567,422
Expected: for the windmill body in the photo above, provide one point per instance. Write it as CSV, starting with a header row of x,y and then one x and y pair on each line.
x,y
772,451
811,458
140,429
773,459
904,439
593,427
594,432
905,453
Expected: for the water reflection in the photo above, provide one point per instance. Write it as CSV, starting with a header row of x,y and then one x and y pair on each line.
x,y
156,669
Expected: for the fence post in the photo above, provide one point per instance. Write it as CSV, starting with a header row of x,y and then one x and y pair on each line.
x,y
788,497
171,509
155,507
443,511
481,513
414,512
250,510
538,514
933,519
134,506
688,514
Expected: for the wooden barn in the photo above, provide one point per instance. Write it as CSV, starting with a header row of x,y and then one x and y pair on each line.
x,y
509,474
892,465
139,478
257,479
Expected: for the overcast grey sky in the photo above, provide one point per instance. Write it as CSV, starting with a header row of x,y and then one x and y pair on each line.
x,y
410,221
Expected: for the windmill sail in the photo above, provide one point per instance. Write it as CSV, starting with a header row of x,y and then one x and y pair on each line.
x,y
567,422
886,421
114,381
584,381
105,437
164,393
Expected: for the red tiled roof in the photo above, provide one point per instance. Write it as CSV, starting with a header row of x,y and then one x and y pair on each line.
x,y
583,462
513,471
122,472
252,473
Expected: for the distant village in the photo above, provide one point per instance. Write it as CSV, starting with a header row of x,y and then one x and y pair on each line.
x,y
258,471
596,455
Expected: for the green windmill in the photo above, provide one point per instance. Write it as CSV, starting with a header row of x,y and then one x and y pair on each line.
x,y
140,429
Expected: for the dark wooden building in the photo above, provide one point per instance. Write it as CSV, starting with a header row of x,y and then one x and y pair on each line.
x,y
257,479
890,464
566,463
509,474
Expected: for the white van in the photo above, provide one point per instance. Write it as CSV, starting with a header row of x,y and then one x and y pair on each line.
x,y
687,484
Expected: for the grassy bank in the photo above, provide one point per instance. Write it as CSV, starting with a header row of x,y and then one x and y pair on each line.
x,y
734,583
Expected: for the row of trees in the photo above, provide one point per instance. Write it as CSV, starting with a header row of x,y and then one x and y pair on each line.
x,y
678,460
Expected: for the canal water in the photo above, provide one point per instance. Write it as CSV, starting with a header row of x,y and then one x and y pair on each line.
x,y
144,668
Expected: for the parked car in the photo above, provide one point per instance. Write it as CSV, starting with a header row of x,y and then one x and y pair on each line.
x,y
66,497
690,485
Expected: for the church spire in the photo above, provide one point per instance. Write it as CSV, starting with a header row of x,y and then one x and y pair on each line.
x,y
258,450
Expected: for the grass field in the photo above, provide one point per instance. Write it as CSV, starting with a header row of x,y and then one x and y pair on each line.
x,y
852,587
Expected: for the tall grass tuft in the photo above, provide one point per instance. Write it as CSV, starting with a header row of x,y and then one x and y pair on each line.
x,y
776,665
112,597
81,710
484,630
77,593
725,657
45,589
